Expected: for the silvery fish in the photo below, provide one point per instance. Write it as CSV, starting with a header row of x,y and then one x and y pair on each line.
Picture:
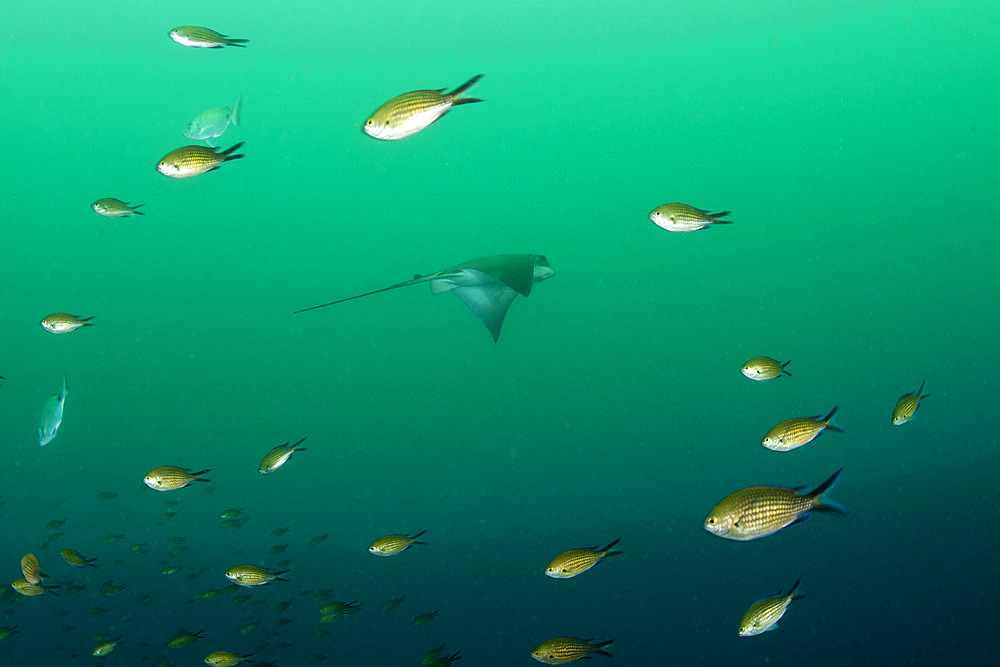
x,y
204,38
409,113
764,368
212,123
110,207
52,416
765,613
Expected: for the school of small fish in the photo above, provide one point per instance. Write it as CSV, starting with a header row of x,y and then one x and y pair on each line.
x,y
487,286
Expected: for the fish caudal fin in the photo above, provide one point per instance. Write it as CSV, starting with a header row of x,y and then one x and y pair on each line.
x,y
783,371
228,153
607,551
821,504
828,421
414,540
599,646
232,41
461,89
135,209
198,475
234,115
793,591
716,218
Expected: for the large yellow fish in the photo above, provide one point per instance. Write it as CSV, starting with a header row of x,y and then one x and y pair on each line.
x,y
188,161
764,368
575,561
759,511
203,38
765,613
31,570
60,323
390,545
76,559
561,650
278,456
251,575
793,433
225,659
907,405
169,478
411,112
677,217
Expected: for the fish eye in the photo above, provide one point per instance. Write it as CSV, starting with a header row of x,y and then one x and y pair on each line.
x,y
369,122
712,521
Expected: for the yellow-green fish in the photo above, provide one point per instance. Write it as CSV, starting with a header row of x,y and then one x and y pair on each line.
x,y
55,523
569,649
169,478
759,511
390,545
251,575
389,605
203,38
7,631
793,433
907,405
230,514
188,161
182,639
60,323
424,619
764,368
444,661
76,559
411,112
22,586
110,207
677,217
278,457
575,561
31,570
765,613
110,589
104,648
432,655
225,659
340,608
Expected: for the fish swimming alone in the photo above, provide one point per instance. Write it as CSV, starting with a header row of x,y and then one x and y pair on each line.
x,y
759,511
110,207
409,113
188,161
765,613
204,38
390,545
279,456
793,433
576,561
52,416
561,650
677,217
907,405
61,323
764,368
212,123
168,478
487,285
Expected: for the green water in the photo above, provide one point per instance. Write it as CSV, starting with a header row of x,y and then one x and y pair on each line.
x,y
856,147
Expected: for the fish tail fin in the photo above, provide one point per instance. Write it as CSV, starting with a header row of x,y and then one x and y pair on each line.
x,y
828,421
232,41
229,152
464,87
198,475
86,319
599,646
716,218
821,504
793,591
783,370
414,538
296,445
234,115
278,577
920,390
136,211
607,551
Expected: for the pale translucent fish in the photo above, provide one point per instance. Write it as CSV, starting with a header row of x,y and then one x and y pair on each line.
x,y
52,416
204,38
212,123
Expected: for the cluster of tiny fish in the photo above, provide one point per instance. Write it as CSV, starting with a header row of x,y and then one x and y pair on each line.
x,y
487,286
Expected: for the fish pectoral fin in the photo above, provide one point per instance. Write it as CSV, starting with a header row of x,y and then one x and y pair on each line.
x,y
800,519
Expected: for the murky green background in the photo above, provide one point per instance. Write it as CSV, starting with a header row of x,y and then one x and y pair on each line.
x,y
856,146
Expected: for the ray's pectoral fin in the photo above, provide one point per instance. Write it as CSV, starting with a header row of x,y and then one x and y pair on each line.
x,y
489,302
